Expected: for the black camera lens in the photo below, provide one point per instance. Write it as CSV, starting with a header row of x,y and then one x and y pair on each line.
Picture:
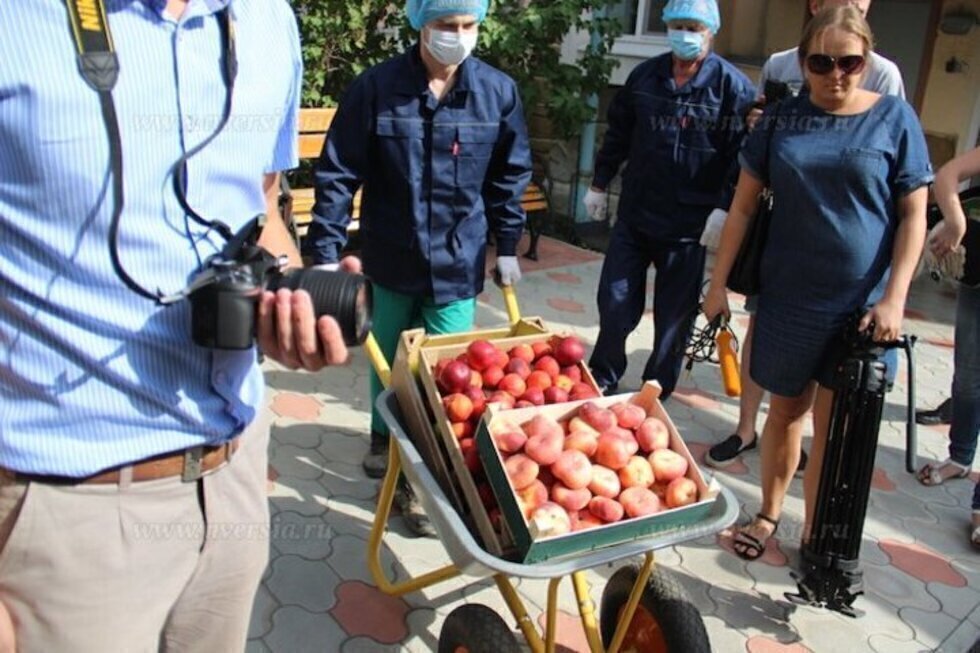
x,y
347,297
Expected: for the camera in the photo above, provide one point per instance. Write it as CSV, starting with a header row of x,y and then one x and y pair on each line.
x,y
224,295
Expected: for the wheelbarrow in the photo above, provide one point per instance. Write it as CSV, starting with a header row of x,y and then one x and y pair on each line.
x,y
641,609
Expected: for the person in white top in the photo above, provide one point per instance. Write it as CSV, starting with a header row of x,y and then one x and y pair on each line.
x,y
882,76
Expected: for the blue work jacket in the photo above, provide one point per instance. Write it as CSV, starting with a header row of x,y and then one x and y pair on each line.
x,y
435,175
680,144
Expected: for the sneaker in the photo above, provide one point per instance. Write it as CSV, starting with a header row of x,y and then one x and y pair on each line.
x,y
375,461
942,414
725,452
801,467
416,521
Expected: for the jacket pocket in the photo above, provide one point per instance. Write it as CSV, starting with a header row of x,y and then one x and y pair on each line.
x,y
472,151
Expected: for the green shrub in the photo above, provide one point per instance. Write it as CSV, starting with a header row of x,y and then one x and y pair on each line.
x,y
342,38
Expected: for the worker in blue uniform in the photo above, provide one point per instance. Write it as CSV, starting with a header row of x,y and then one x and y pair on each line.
x,y
677,123
437,142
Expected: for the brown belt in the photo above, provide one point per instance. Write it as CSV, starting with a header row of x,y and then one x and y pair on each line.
x,y
190,464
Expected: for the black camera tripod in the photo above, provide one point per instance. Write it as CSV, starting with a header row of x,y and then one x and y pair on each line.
x,y
831,576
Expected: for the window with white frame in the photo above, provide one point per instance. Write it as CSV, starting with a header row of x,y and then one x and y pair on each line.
x,y
641,18
644,33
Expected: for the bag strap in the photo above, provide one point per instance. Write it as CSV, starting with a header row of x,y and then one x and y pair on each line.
x,y
770,128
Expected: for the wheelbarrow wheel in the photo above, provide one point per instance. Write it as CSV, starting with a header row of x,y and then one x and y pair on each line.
x,y
475,628
665,619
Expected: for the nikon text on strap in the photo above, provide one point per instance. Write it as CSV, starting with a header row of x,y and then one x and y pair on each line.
x,y
96,54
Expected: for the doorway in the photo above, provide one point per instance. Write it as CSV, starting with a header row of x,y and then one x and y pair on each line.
x,y
901,29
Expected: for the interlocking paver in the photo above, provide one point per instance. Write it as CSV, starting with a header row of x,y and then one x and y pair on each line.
x,y
886,644
301,535
957,602
961,639
262,610
762,644
308,584
931,628
899,503
297,463
350,515
304,435
420,640
879,618
349,559
726,569
342,446
300,631
368,645
723,636
348,480
821,630
296,406
304,497
385,621
257,646
900,589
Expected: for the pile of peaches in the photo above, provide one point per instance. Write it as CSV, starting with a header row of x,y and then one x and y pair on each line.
x,y
601,466
530,374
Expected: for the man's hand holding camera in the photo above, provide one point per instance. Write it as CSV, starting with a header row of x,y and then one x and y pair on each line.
x,y
289,332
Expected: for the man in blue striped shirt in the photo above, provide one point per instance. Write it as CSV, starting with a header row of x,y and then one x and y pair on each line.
x,y
125,524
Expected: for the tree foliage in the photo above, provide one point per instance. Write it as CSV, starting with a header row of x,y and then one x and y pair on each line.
x,y
342,38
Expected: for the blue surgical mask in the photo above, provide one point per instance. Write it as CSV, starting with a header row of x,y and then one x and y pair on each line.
x,y
685,45
451,48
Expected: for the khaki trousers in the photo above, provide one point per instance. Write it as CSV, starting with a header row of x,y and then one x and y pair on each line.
x,y
158,565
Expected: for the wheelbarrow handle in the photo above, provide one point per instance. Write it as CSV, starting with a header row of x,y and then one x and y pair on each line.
x,y
378,360
510,301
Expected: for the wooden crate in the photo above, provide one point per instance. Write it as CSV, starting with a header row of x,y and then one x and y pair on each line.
x,y
530,548
429,354
420,418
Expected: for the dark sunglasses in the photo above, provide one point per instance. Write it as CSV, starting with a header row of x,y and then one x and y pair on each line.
x,y
821,64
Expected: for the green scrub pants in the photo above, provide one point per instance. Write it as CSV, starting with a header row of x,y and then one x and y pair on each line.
x,y
395,312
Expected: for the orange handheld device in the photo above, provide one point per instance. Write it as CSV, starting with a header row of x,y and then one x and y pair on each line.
x,y
728,361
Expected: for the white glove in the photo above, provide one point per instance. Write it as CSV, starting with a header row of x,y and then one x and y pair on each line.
x,y
949,267
595,203
711,236
508,270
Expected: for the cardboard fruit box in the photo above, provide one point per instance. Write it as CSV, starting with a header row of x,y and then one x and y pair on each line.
x,y
531,544
495,539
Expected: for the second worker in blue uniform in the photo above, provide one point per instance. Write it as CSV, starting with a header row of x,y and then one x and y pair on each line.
x,y
677,123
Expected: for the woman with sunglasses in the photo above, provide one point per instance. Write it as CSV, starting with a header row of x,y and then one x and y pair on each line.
x,y
849,170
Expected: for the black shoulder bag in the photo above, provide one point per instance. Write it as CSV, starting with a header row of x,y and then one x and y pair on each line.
x,y
744,277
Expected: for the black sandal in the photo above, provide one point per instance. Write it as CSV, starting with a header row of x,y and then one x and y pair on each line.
x,y
753,547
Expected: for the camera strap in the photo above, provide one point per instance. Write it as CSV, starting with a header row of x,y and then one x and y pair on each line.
x,y
99,67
